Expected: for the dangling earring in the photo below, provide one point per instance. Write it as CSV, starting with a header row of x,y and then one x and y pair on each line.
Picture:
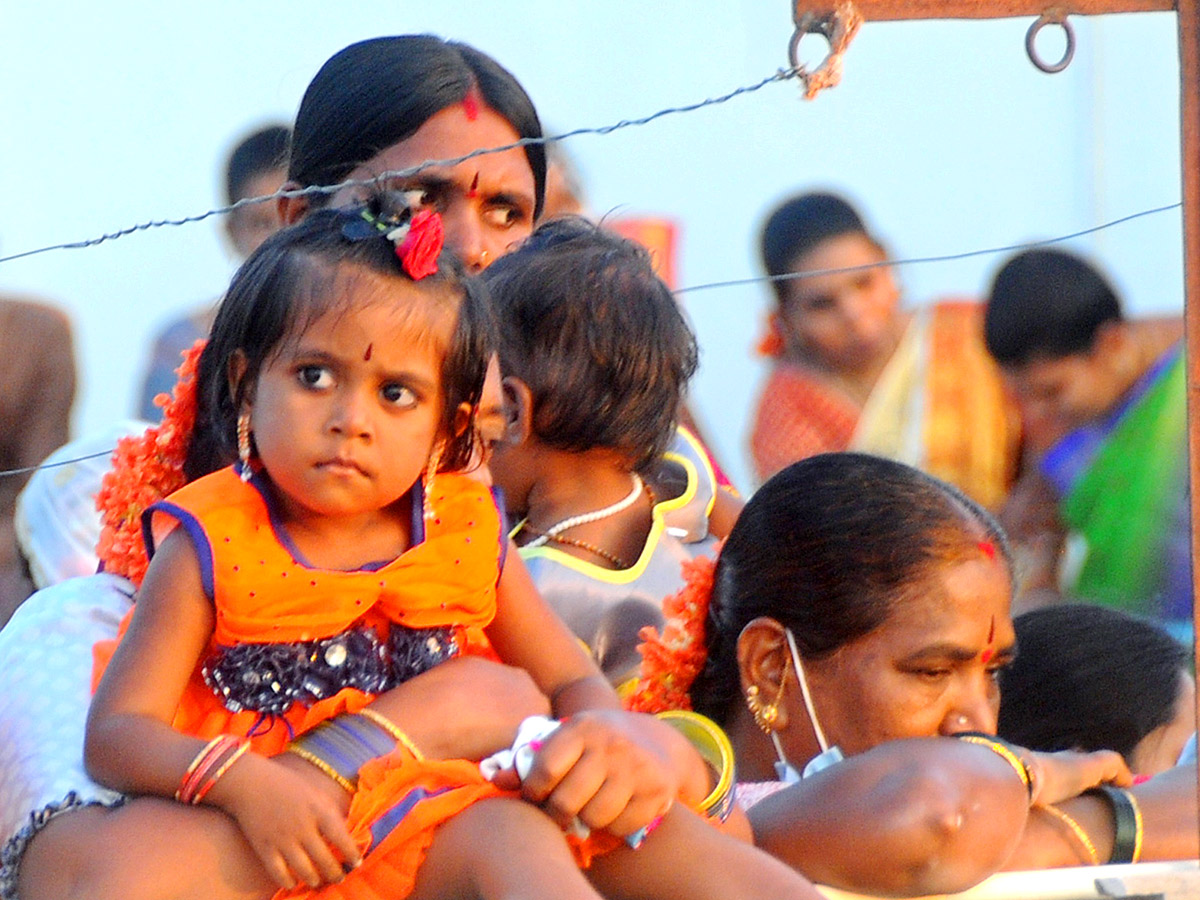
x,y
243,442
427,478
765,714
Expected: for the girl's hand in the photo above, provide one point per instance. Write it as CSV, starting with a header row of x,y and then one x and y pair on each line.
x,y
294,823
1068,773
606,767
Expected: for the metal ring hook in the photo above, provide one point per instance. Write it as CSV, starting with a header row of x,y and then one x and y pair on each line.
x,y
1050,17
807,24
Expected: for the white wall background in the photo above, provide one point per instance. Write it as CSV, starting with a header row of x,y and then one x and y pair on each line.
x,y
117,113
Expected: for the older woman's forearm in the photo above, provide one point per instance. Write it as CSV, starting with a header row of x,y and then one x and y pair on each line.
x,y
1168,809
906,818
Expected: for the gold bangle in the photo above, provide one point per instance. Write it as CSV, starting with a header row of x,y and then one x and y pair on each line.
x,y
1141,828
393,729
325,767
1077,830
1007,755
713,746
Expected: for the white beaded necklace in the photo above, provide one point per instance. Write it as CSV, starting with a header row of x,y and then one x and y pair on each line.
x,y
594,516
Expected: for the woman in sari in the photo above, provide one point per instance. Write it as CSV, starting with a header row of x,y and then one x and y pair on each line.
x,y
852,370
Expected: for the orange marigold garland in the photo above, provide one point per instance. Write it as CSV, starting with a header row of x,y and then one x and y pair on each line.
x,y
672,660
146,468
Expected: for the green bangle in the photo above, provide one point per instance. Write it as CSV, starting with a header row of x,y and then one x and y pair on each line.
x,y
713,746
1128,829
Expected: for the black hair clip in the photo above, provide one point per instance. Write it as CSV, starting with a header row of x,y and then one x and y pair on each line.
x,y
417,235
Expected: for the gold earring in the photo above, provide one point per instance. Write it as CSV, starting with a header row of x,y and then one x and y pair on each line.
x,y
243,441
765,714
427,478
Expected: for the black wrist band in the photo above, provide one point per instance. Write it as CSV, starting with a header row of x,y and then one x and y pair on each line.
x,y
1126,828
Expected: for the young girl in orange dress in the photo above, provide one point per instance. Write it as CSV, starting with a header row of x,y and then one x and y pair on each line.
x,y
345,552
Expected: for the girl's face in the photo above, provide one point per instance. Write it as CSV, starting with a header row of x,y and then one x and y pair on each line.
x,y
346,415
930,669
843,322
486,203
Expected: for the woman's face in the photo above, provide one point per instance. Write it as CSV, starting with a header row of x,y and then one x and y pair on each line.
x,y
846,321
930,669
486,203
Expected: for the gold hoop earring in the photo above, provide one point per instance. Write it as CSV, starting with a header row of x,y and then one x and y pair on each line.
x,y
245,449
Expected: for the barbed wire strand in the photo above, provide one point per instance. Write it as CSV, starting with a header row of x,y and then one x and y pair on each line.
x,y
791,276
916,260
781,75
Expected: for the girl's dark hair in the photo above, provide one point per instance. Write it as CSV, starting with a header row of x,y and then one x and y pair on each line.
x,y
597,336
1088,678
298,275
798,225
828,547
378,92
1046,303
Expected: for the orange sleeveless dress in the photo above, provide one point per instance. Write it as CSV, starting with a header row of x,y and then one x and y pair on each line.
x,y
264,595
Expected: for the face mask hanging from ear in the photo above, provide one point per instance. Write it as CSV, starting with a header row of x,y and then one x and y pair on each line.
x,y
828,756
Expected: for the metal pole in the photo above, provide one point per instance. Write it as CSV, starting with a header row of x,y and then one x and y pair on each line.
x,y
1189,127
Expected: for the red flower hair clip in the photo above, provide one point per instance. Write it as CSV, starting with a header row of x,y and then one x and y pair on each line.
x,y
418,236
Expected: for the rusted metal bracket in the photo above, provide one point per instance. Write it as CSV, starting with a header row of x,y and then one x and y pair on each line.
x,y
902,10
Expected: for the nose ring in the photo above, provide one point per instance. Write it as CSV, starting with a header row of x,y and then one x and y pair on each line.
x,y
962,720
483,257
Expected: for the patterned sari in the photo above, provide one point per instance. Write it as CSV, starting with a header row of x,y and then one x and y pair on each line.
x,y
938,405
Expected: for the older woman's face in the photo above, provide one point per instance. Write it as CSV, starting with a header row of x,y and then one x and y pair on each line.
x,y
486,203
929,670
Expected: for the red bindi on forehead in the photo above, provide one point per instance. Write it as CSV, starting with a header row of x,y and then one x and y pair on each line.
x,y
470,105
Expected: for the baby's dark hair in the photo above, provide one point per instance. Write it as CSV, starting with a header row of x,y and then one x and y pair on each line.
x,y
378,92
827,548
1088,678
298,275
597,337
1046,303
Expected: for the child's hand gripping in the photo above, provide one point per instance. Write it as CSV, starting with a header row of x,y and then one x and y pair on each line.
x,y
595,770
295,822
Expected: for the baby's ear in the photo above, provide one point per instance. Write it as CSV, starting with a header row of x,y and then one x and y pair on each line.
x,y
518,410
291,209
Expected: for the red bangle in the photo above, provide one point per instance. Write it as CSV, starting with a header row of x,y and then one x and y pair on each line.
x,y
238,752
202,764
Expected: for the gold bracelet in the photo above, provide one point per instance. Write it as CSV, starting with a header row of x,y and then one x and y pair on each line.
x,y
1077,830
393,729
1003,751
713,746
1141,827
325,767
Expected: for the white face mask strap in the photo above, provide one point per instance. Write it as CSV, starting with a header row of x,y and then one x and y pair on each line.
x,y
804,692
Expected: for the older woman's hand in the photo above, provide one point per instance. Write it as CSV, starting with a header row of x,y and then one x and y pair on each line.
x,y
1068,773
